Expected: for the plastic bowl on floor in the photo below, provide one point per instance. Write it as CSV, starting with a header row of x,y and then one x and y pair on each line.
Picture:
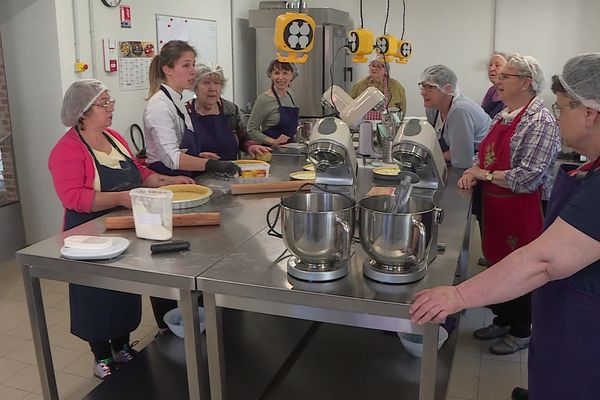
x,y
413,343
174,320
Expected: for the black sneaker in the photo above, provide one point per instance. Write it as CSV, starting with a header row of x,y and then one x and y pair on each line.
x,y
519,393
491,332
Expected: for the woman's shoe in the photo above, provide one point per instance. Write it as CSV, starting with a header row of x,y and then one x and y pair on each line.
x,y
103,368
519,393
490,332
125,355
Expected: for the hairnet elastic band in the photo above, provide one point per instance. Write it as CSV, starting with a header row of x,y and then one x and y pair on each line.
x,y
87,107
586,102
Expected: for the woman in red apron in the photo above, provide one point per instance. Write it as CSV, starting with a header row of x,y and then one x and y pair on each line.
x,y
515,162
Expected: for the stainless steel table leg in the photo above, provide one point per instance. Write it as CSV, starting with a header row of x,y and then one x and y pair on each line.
x,y
193,355
214,343
39,330
429,362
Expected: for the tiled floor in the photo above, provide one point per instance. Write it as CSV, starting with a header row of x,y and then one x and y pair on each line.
x,y
476,374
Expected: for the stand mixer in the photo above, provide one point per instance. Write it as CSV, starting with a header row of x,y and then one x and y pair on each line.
x,y
331,151
401,245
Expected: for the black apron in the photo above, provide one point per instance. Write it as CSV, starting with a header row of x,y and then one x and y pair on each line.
x,y
288,120
187,142
214,134
101,314
565,344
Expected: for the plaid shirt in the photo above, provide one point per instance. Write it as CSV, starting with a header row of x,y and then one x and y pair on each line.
x,y
533,149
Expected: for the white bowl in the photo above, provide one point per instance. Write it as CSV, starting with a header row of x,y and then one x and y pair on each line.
x,y
174,320
413,343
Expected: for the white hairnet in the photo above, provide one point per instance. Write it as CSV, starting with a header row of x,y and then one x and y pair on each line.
x,y
441,76
79,97
381,59
581,79
529,66
207,68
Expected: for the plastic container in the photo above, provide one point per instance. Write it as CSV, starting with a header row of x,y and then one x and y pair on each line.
x,y
174,320
413,343
152,213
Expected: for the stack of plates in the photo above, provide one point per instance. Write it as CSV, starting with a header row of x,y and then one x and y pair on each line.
x,y
93,247
188,196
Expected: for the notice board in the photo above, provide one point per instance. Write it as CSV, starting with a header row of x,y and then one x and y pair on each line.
x,y
199,33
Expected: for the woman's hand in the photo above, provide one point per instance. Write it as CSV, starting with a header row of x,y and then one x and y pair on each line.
x,y
434,305
467,181
124,199
256,149
479,173
282,139
179,179
209,155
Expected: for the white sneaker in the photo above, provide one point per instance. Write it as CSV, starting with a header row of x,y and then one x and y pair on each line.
x,y
102,368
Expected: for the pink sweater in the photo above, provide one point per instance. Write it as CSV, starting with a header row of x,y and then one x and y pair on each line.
x,y
73,172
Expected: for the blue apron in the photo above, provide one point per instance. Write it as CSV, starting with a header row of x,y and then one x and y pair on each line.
x,y
288,120
564,352
101,314
187,142
214,134
441,140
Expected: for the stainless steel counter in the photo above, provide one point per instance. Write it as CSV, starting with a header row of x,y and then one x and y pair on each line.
x,y
171,275
233,264
249,279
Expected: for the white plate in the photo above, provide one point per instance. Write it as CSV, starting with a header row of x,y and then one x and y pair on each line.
x,y
119,246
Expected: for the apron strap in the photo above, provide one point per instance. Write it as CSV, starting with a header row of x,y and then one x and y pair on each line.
x,y
166,92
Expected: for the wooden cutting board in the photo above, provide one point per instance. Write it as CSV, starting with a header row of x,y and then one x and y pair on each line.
x,y
268,187
189,219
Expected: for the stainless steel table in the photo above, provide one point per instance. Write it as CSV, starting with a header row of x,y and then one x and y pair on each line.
x,y
137,271
249,279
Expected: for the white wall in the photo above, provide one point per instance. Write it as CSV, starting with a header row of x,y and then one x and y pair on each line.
x,y
30,39
39,56
462,33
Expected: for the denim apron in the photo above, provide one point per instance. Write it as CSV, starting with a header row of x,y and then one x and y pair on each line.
x,y
101,314
214,134
187,142
564,352
288,120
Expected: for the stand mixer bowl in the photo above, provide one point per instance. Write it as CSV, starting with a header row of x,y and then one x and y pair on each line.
x,y
318,227
396,239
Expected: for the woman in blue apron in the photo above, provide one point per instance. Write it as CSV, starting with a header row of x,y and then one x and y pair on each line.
x,y
92,170
561,267
168,131
219,131
274,117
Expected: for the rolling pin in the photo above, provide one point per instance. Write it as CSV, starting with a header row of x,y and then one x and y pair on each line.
x,y
190,219
268,187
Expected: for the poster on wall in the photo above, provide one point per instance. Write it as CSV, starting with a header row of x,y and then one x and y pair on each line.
x,y
135,57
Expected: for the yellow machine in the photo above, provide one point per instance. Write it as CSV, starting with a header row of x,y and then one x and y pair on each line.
x,y
294,33
404,52
360,44
387,45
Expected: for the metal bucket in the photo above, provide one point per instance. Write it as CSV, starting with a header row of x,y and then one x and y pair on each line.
x,y
318,227
397,238
304,130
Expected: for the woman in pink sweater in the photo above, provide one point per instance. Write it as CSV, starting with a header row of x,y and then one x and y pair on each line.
x,y
93,170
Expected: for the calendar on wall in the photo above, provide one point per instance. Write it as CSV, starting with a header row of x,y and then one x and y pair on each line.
x,y
134,63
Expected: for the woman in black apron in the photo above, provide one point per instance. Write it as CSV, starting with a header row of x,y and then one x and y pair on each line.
x,y
561,267
273,122
218,128
88,189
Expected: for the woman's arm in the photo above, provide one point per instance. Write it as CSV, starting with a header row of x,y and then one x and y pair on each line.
x,y
559,252
259,114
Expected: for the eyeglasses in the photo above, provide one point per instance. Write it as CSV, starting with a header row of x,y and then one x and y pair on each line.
x,y
557,110
426,87
501,76
110,103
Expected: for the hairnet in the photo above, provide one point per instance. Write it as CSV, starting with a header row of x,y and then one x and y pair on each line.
x,y
206,68
79,97
581,79
529,66
441,76
380,58
279,64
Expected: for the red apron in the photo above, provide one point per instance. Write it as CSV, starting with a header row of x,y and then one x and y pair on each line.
x,y
510,220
